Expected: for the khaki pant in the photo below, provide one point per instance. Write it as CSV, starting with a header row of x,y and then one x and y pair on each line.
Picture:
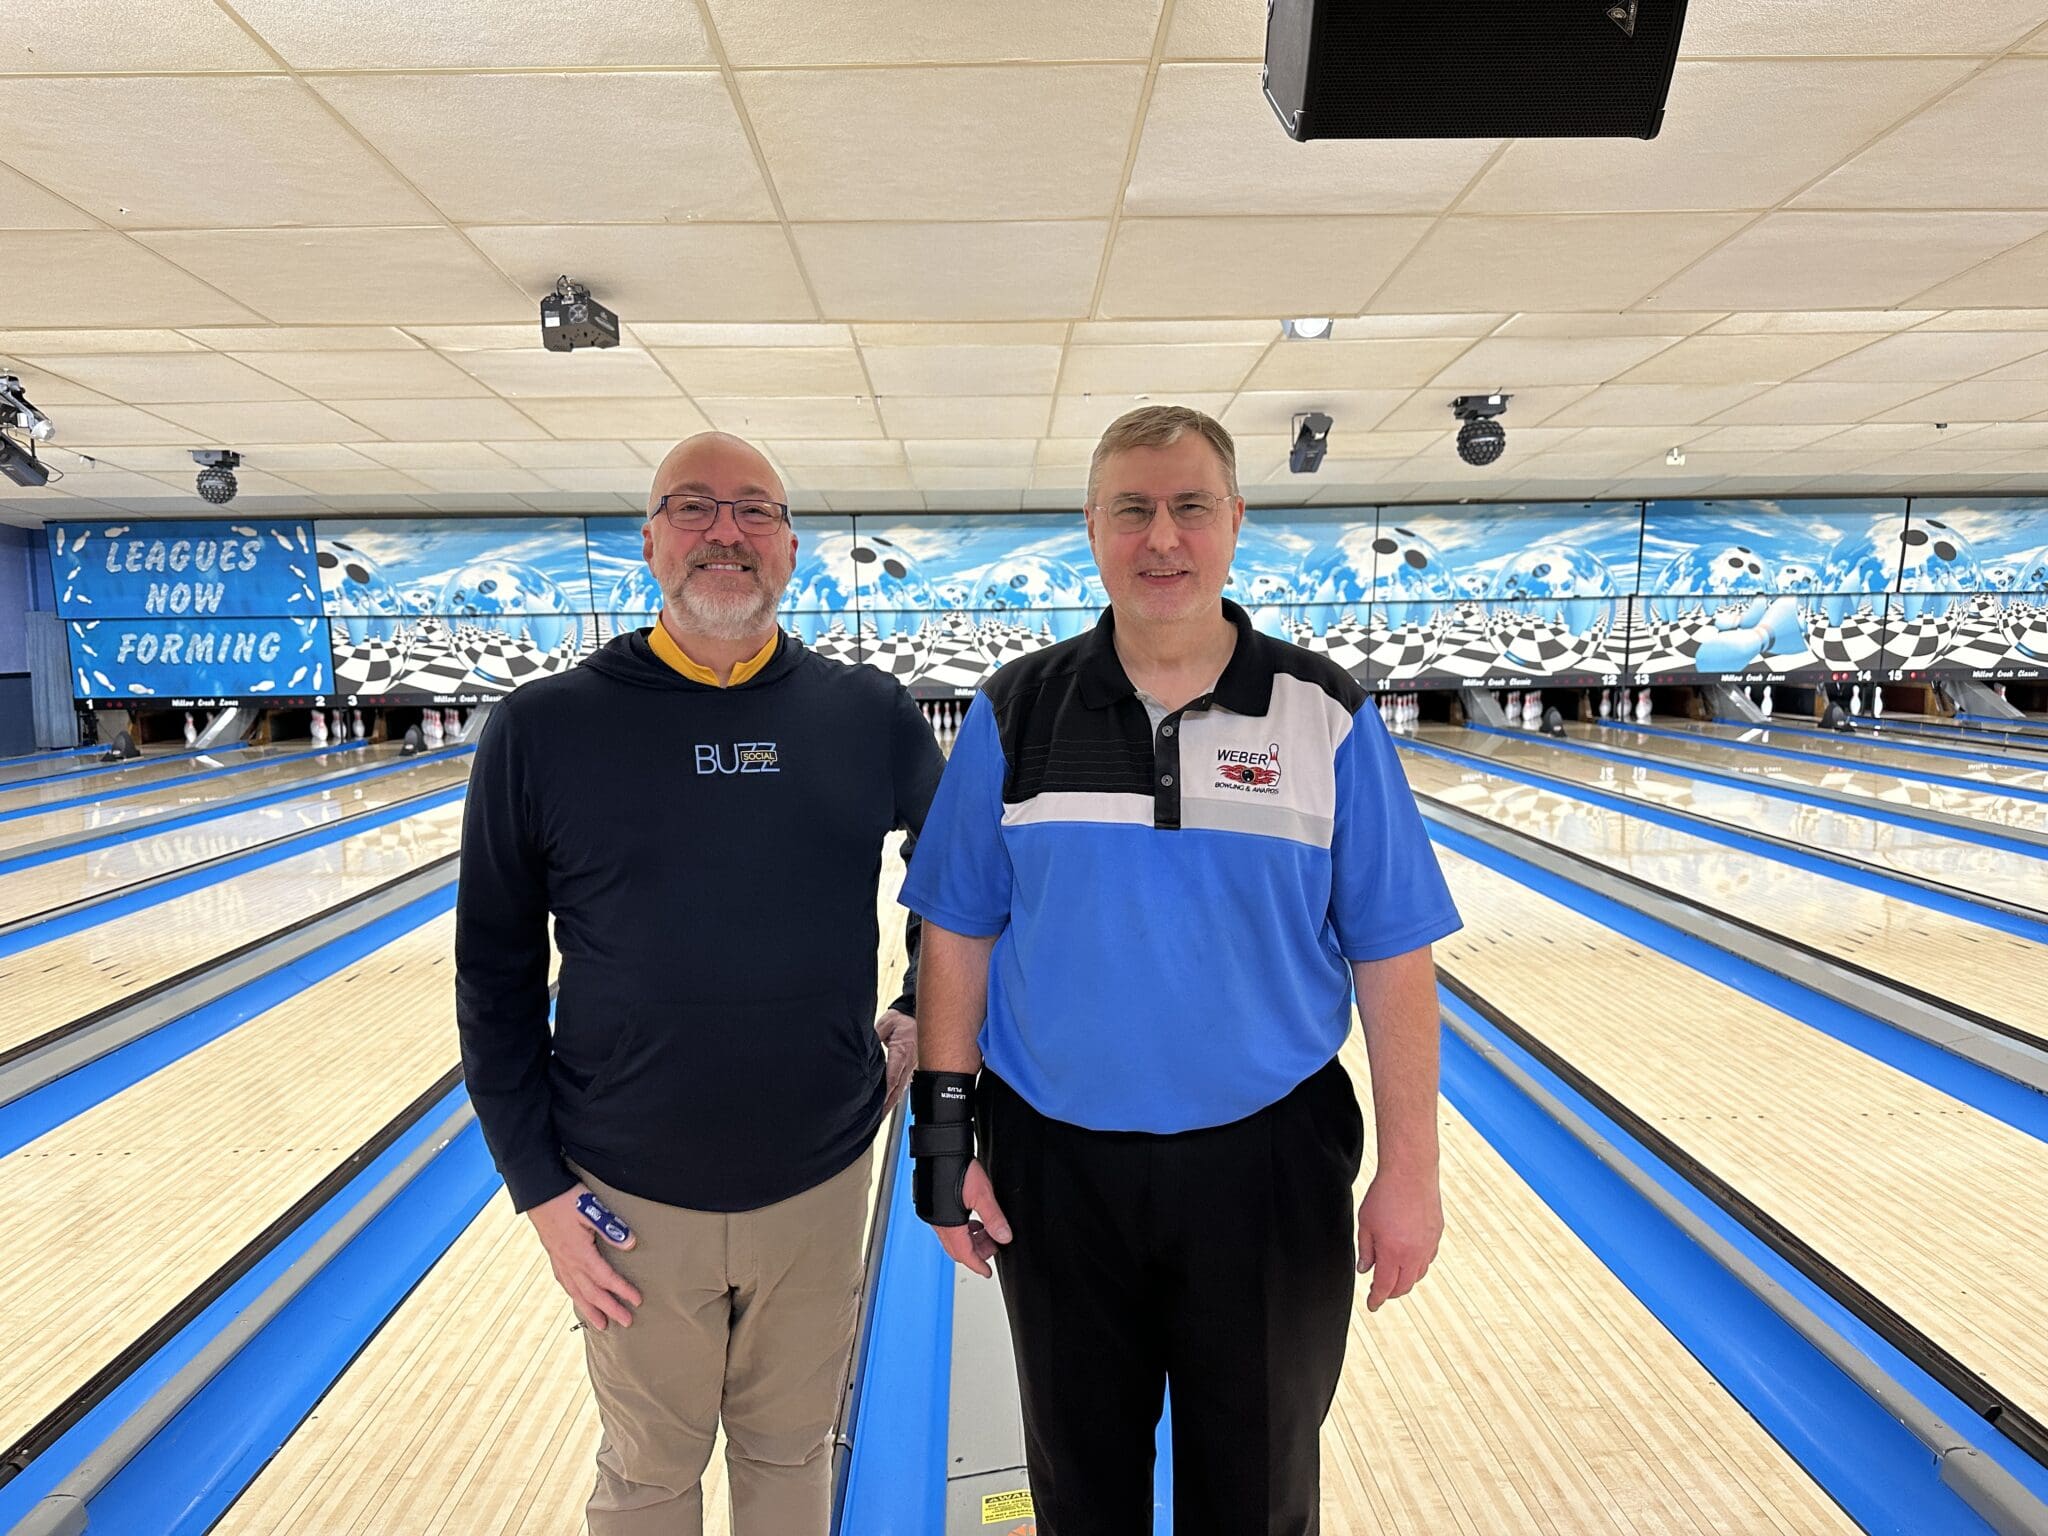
x,y
747,1317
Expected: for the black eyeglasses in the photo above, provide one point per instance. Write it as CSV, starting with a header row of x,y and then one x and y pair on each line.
x,y
1190,509
694,514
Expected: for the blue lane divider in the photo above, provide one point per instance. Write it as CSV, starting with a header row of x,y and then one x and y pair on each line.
x,y
2017,1105
1864,1458
81,774
1879,737
1871,810
896,1472
1162,1472
151,786
153,825
1863,877
36,1114
1952,781
218,1435
254,858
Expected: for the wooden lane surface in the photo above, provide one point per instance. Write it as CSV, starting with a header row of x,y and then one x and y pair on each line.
x,y
1886,789
1934,1207
106,870
1522,1388
140,810
72,976
470,1410
1967,867
1996,973
90,776
1861,750
108,1221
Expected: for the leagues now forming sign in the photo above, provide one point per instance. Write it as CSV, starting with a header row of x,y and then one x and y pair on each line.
x,y
174,570
114,659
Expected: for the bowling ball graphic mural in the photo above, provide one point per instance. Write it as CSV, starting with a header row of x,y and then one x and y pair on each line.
x,y
527,603
1038,582
357,594
1560,582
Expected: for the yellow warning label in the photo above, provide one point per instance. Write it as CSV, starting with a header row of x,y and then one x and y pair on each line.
x,y
998,1507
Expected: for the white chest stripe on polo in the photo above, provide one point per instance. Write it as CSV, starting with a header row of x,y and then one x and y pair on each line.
x,y
1074,805
1272,775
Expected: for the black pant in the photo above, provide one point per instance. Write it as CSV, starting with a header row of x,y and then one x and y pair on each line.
x,y
1220,1261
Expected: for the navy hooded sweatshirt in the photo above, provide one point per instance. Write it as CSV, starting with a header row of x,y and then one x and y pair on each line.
x,y
711,859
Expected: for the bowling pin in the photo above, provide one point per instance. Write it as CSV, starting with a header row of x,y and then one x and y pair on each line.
x,y
191,730
1877,702
1606,704
1856,701
1514,706
1643,707
1532,710
362,730
319,729
1768,709
430,727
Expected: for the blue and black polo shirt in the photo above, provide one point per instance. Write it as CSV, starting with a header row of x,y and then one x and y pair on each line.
x,y
1174,907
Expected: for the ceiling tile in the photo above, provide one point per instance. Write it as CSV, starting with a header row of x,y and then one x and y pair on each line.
x,y
646,273
1631,405
345,275
952,271
1766,27
477,338
483,482
1763,439
857,477
48,390
152,377
614,372
766,370
418,374
1276,267
437,420
1059,453
584,501
662,335
1160,370
1581,326
278,458
24,205
875,501
938,478
1802,322
2018,277
294,338
958,501
976,370
1719,359
1917,164
1212,145
671,420
1216,29
284,421
432,455
488,148
794,416
1736,135
1013,453
1508,362
1874,439
1949,320
966,415
1562,261
825,452
1840,260
1818,403
756,34
1086,416
1169,333
257,150
21,343
86,425
105,279
1352,410
1355,364
1015,142
479,34
1935,355
542,454
2000,400
79,36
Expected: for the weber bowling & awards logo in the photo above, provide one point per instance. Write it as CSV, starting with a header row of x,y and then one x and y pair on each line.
x,y
1249,769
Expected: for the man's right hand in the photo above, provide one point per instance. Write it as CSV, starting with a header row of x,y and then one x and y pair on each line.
x,y
975,1244
600,1294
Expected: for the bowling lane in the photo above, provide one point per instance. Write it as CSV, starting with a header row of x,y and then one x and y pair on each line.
x,y
1995,973
51,984
86,765
1935,1208
1888,789
147,771
1966,867
1994,774
139,810
470,1411
112,1218
106,870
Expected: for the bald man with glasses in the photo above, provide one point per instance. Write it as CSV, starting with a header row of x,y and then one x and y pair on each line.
x,y
700,807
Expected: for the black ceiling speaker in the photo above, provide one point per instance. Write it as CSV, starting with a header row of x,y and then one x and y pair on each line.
x,y
1420,69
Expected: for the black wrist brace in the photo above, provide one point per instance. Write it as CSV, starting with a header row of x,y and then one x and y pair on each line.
x,y
941,1144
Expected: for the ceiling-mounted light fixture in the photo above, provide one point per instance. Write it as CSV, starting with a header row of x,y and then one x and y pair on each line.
x,y
1308,328
1675,457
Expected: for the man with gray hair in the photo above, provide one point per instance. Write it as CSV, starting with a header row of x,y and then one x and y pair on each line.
x,y
700,807
1166,856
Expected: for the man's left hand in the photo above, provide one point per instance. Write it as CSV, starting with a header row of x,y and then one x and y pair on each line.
x,y
899,1042
1400,1224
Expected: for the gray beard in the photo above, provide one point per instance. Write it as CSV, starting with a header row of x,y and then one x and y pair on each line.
x,y
738,616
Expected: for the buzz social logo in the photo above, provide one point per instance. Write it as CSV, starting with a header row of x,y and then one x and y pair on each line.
x,y
740,757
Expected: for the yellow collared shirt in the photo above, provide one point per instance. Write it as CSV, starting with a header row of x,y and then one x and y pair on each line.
x,y
664,645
